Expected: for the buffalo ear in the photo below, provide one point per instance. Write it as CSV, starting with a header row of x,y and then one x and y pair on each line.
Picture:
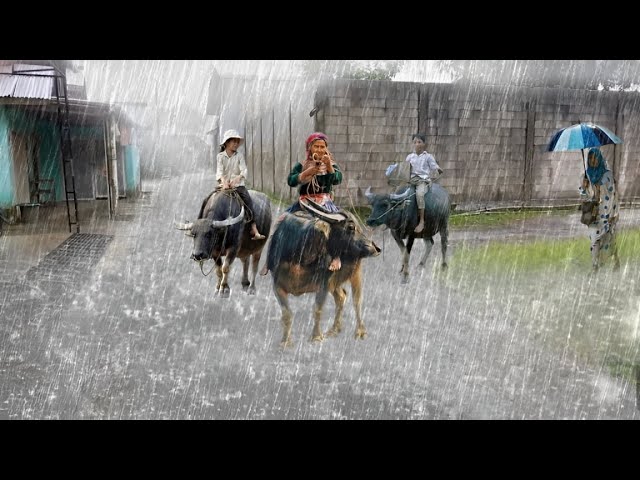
x,y
370,196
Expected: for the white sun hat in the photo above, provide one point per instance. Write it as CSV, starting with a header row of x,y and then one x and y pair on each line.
x,y
230,134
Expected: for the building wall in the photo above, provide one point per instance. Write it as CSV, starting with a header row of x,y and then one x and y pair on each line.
x,y
277,124
6,165
11,119
49,163
132,169
369,125
489,140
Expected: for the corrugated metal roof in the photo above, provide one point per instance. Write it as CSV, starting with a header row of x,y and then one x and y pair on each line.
x,y
22,86
33,87
7,83
33,69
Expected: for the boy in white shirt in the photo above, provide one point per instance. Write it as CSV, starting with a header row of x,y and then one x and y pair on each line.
x,y
423,169
231,171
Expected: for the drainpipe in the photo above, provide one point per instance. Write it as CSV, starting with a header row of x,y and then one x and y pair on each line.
x,y
112,170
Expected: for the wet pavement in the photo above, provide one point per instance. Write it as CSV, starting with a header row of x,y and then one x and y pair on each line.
x,y
117,323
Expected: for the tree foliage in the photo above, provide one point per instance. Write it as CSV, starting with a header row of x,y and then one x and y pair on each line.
x,y
581,74
357,69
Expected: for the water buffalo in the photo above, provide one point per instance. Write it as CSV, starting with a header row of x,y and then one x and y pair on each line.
x,y
298,258
222,231
399,212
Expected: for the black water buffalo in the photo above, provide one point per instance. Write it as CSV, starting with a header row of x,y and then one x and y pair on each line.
x,y
399,212
298,258
222,231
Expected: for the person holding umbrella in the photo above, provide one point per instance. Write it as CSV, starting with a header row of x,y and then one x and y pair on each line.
x,y
599,178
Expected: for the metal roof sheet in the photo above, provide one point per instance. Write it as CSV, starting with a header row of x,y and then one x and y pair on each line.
x,y
22,86
7,83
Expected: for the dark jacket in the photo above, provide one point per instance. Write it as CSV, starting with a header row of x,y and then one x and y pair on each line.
x,y
325,182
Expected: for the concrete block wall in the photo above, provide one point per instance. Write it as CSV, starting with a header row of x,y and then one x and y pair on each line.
x,y
556,175
478,137
628,166
489,140
369,127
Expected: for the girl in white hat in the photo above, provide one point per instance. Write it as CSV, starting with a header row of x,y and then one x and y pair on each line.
x,y
231,172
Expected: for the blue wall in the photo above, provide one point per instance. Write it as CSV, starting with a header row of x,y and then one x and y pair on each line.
x,y
6,165
132,169
50,165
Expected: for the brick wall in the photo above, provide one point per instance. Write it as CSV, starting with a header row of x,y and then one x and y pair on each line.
x,y
489,140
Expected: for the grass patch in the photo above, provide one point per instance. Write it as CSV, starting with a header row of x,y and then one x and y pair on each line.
x,y
525,257
486,218
492,219
623,368
547,285
498,256
464,220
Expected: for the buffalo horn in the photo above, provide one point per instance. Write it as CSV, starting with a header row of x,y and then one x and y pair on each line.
x,y
229,221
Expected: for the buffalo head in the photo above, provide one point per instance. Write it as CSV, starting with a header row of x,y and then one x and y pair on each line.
x,y
208,234
382,205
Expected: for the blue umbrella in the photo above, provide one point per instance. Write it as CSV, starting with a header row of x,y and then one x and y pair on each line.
x,y
581,136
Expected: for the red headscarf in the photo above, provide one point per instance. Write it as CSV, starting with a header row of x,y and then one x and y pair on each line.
x,y
308,161
312,138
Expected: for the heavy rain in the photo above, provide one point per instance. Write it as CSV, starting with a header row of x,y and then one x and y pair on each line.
x,y
108,310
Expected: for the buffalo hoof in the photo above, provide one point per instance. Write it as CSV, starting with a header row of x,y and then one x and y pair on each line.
x,y
336,264
317,338
404,280
252,290
286,344
360,334
333,332
421,264
444,266
245,287
225,293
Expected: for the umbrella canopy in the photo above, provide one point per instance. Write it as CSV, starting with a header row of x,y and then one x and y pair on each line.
x,y
581,136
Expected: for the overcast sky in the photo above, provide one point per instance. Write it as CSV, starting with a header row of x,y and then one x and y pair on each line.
x,y
171,81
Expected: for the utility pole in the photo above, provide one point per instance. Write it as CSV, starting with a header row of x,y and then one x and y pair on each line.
x,y
157,106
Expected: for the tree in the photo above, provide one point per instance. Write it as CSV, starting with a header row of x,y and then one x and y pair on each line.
x,y
379,70
585,74
357,69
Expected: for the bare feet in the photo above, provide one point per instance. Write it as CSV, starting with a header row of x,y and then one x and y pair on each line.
x,y
255,234
336,264
419,228
264,270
